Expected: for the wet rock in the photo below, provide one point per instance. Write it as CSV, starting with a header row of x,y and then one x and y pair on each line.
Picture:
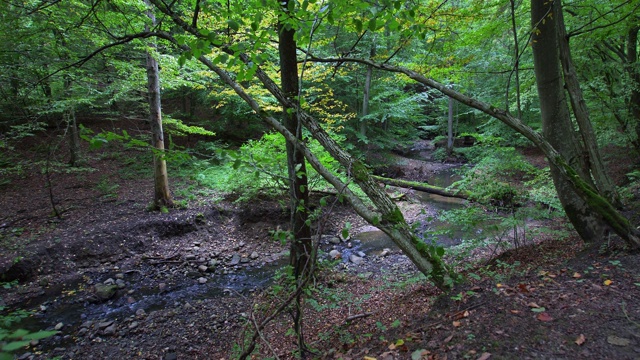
x,y
355,259
235,260
105,324
334,240
202,280
335,254
110,330
104,291
254,255
86,324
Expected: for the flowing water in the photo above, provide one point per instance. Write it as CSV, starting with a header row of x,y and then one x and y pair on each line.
x,y
369,240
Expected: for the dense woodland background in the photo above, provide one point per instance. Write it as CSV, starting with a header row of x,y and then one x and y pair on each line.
x,y
197,95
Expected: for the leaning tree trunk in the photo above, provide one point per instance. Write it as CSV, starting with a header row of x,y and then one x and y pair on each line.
x,y
596,166
556,121
161,194
634,72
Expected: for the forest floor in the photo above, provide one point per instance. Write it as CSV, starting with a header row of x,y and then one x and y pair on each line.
x,y
118,281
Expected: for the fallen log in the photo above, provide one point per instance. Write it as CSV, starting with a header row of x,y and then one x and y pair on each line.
x,y
415,185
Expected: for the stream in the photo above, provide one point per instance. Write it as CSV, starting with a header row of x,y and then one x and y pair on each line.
x,y
58,305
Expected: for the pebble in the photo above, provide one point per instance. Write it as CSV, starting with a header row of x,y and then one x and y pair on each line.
x,y
133,325
334,240
140,313
109,281
355,259
190,257
235,260
83,332
58,326
202,280
335,254
110,330
361,254
120,283
105,324
119,276
162,287
254,255
203,268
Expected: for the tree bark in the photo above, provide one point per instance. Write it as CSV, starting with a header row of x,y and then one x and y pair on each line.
x,y
595,164
301,244
428,188
556,121
161,195
634,72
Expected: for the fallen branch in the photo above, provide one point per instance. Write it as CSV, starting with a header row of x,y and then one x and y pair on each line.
x,y
358,316
432,189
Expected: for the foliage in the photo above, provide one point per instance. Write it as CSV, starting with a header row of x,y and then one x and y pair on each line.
x,y
12,340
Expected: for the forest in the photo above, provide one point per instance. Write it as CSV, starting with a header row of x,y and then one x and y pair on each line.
x,y
316,179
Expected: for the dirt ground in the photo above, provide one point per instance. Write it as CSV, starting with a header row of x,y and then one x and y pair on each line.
x,y
117,281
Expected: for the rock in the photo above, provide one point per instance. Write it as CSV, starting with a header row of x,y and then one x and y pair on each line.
x,y
58,326
140,313
361,254
355,259
131,300
105,324
244,260
83,332
618,341
43,282
119,276
213,262
171,356
349,245
86,324
120,283
190,257
335,254
254,255
197,243
202,280
385,252
105,292
235,260
110,330
203,268
109,281
34,342
334,240
25,356
133,325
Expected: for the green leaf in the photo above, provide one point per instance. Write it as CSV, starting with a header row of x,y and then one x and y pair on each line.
x,y
538,310
40,335
303,189
181,60
372,24
19,333
233,25
15,345
358,24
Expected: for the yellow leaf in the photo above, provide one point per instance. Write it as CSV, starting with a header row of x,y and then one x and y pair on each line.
x,y
580,340
369,358
608,282
576,275
400,342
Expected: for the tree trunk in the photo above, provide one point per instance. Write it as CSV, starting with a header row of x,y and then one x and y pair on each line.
x,y
602,180
161,194
301,245
74,138
450,128
420,186
365,102
634,72
556,122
